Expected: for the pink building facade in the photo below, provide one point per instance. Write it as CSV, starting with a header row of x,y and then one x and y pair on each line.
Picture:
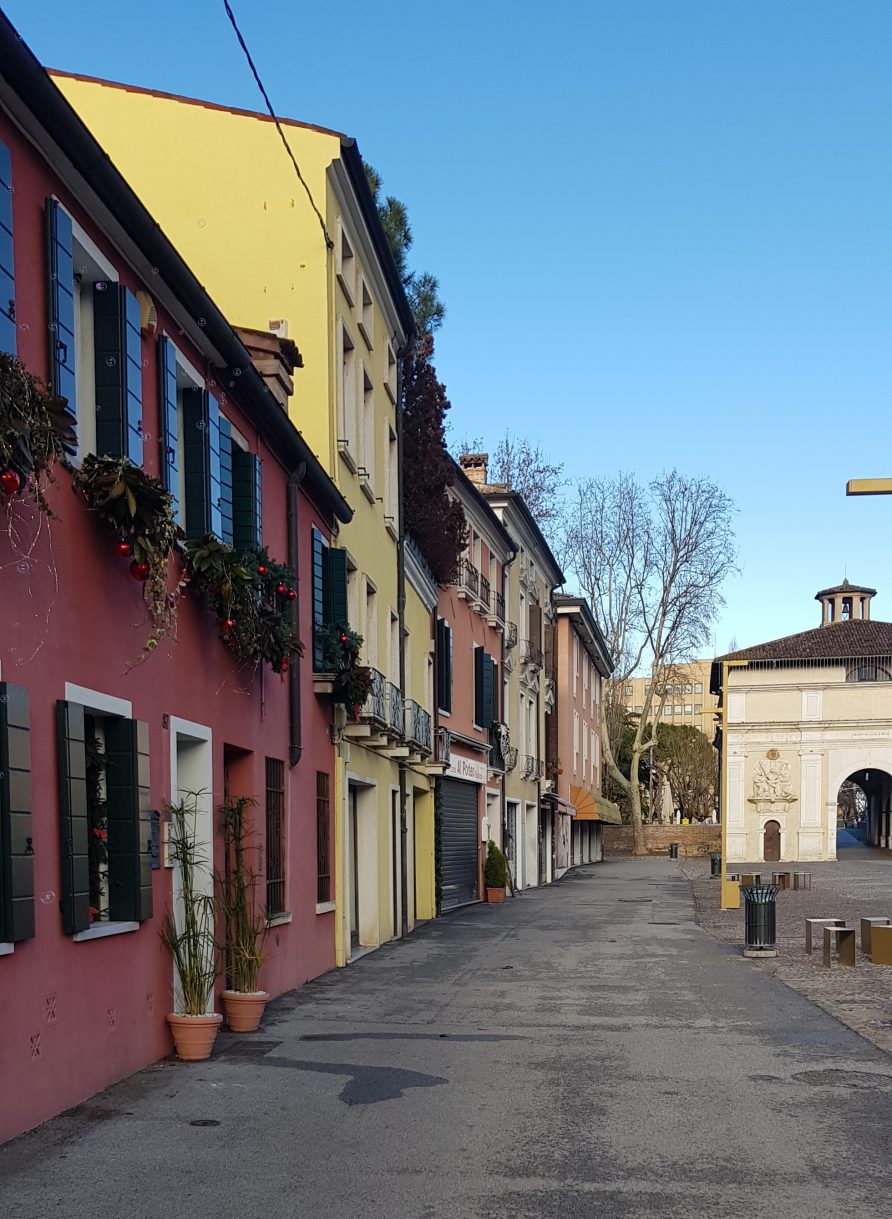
x,y
469,657
578,660
85,980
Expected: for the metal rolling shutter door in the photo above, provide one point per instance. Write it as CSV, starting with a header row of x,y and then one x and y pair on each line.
x,y
459,843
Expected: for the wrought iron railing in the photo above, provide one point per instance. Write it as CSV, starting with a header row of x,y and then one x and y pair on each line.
x,y
375,706
510,634
499,608
532,654
485,591
470,577
418,726
510,758
444,745
499,742
395,708
532,767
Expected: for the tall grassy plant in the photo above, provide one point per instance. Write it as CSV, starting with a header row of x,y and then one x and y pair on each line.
x,y
191,938
244,920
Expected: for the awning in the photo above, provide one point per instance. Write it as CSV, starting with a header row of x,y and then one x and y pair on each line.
x,y
563,806
590,807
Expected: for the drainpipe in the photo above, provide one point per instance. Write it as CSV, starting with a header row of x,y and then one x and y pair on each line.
x,y
401,618
295,735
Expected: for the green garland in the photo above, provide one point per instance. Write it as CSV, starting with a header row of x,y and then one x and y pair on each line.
x,y
36,431
251,596
141,514
341,649
97,818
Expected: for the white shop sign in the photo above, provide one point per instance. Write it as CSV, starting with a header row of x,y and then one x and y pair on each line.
x,y
467,768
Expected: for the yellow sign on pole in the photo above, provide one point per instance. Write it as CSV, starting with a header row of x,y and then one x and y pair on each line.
x,y
730,888
869,486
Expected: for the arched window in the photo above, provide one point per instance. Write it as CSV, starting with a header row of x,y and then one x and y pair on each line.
x,y
867,670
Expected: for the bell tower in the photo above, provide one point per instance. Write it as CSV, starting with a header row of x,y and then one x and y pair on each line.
x,y
845,603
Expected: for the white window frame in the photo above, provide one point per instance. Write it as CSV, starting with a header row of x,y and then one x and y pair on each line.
x,y
345,267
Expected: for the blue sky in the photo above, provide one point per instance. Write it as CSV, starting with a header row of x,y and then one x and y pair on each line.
x,y
661,227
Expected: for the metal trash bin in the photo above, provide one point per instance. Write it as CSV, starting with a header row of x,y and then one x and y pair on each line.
x,y
715,864
760,920
673,850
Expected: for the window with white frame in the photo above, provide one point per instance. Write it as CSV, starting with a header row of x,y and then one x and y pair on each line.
x,y
576,741
594,755
366,314
92,274
393,474
345,264
390,382
367,428
370,623
347,394
575,661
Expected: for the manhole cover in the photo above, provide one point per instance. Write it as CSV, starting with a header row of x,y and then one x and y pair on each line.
x,y
204,1121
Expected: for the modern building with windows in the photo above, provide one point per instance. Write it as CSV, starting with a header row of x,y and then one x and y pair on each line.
x,y
688,700
804,715
104,722
313,261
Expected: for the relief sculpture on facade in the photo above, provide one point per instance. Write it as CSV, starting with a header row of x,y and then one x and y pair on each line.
x,y
772,783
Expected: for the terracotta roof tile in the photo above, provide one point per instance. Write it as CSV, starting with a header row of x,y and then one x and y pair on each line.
x,y
835,641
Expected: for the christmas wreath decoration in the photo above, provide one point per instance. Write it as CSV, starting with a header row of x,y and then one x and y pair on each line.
x,y
251,596
35,432
141,513
341,648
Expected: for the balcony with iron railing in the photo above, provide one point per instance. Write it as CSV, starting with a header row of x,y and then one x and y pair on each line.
x,y
418,729
500,607
531,654
485,592
469,579
502,756
395,709
374,709
533,768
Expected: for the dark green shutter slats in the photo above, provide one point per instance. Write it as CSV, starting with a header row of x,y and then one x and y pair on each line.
x,y
129,820
246,499
72,763
224,497
170,442
318,559
118,348
201,457
336,588
16,850
7,256
443,650
484,688
60,263
494,691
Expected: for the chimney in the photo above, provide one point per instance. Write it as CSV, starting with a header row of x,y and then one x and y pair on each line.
x,y
274,356
474,466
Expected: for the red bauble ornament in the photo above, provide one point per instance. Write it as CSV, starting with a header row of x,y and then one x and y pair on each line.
x,y
125,549
139,571
229,623
9,482
281,590
343,639
284,668
261,570
291,594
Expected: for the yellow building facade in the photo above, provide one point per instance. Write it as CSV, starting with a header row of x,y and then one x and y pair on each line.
x,y
311,261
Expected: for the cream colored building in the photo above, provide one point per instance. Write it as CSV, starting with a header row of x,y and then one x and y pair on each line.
x,y
688,700
805,713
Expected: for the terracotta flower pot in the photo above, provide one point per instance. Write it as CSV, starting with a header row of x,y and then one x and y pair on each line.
x,y
495,895
243,1012
194,1036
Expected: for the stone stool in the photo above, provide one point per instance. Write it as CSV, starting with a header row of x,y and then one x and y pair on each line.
x,y
867,925
802,880
813,925
881,944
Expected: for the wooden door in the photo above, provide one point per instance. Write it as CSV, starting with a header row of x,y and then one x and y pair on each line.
x,y
771,843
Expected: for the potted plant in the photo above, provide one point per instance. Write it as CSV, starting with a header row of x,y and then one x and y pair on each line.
x,y
189,934
495,873
244,921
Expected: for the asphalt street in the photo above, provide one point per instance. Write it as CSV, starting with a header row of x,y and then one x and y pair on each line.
x,y
584,1050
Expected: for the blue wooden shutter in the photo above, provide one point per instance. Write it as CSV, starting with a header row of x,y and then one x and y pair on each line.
x,y
60,263
7,257
167,409
129,820
201,457
16,851
318,562
75,903
335,587
225,495
246,499
118,355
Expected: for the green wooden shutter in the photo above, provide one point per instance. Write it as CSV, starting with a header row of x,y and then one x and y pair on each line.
x,y
129,820
493,709
319,565
201,455
118,355
16,851
443,659
224,496
7,256
480,670
246,499
75,903
170,440
60,264
335,587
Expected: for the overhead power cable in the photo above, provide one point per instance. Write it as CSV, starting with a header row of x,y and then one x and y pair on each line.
x,y
274,117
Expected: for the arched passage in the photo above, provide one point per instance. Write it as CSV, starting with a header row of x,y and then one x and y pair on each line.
x,y
864,801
